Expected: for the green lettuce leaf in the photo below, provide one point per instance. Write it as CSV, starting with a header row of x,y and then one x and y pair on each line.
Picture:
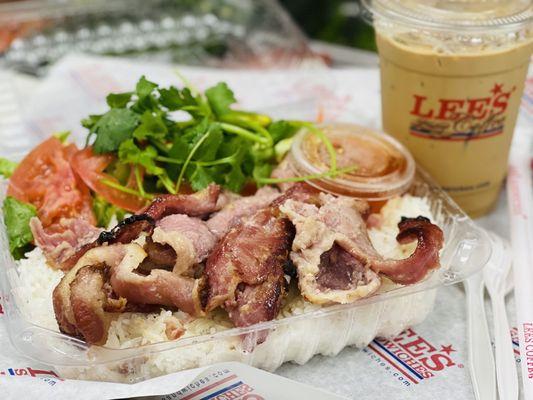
x,y
7,167
17,217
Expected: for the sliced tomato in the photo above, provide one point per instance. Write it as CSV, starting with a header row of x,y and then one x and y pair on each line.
x,y
90,167
45,179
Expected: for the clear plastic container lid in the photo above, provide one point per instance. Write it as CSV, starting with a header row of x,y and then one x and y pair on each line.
x,y
383,168
508,15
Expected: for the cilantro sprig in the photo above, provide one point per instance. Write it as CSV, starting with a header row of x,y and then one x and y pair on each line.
x,y
165,137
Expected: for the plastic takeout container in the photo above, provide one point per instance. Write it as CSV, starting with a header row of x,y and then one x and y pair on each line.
x,y
258,33
296,338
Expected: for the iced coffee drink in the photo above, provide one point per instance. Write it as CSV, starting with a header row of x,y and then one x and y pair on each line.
x,y
452,76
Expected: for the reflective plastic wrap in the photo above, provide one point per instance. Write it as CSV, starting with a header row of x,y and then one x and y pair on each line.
x,y
245,33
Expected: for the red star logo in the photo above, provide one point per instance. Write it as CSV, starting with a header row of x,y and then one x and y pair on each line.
x,y
497,88
447,349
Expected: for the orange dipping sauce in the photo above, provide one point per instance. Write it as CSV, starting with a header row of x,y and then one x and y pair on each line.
x,y
383,168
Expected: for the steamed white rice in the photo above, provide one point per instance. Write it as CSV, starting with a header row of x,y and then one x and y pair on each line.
x,y
297,341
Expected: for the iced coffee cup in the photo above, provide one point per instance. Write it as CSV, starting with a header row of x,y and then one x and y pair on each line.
x,y
452,76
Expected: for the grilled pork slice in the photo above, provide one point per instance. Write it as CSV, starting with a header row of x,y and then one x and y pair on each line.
x,y
199,204
328,270
188,238
335,259
105,281
425,257
91,304
241,207
81,300
159,287
257,303
244,273
57,247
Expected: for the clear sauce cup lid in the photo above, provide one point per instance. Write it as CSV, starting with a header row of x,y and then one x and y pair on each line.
x,y
383,167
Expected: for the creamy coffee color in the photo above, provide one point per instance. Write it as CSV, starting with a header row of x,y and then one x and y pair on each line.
x,y
452,98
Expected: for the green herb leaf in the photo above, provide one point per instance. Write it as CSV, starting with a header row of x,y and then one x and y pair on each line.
x,y
174,99
7,167
235,179
90,121
146,130
194,132
118,100
262,154
114,127
280,130
17,217
178,151
261,171
197,143
144,87
209,148
105,211
151,126
199,178
128,152
220,98
145,96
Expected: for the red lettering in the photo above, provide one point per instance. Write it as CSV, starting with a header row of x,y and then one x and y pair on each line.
x,y
231,395
418,347
405,334
21,371
34,372
437,362
390,345
235,393
500,103
245,389
449,109
417,108
413,363
427,374
476,107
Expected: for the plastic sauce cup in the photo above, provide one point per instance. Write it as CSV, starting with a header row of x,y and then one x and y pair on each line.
x,y
452,76
383,168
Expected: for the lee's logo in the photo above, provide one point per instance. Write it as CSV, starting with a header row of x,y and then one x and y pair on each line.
x,y
461,119
410,358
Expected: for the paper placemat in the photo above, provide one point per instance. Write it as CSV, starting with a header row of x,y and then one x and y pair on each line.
x,y
423,362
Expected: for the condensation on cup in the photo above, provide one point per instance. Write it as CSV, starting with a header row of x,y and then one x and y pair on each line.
x,y
452,76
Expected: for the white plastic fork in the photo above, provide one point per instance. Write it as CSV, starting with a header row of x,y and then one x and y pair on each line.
x,y
480,355
498,278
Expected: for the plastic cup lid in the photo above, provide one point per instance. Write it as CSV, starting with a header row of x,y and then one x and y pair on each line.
x,y
511,15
